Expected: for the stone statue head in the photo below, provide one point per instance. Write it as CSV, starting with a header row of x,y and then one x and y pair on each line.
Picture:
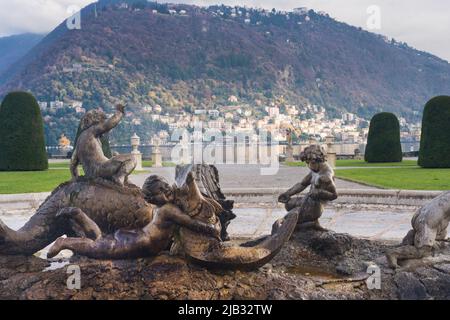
x,y
92,118
157,191
314,155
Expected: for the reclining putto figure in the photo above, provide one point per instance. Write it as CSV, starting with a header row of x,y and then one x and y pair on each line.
x,y
430,225
198,236
322,189
150,240
88,151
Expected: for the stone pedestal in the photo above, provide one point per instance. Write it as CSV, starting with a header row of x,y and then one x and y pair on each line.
x,y
137,155
331,153
289,154
138,158
157,158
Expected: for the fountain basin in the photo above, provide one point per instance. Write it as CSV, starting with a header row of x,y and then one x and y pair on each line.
x,y
374,222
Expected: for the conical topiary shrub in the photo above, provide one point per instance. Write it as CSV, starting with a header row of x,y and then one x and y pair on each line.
x,y
22,142
435,141
383,142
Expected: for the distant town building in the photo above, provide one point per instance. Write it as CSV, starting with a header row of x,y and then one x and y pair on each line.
x,y
80,110
55,105
43,105
348,117
157,108
147,109
77,67
200,111
214,113
301,10
273,111
233,99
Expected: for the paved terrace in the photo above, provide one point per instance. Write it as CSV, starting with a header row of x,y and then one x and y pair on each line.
x,y
249,177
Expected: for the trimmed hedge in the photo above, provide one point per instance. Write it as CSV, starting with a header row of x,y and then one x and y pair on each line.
x,y
104,140
435,141
383,142
22,142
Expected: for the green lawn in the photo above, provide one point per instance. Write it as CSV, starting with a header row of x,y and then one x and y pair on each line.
x,y
294,164
37,181
33,181
361,163
408,177
413,178
149,163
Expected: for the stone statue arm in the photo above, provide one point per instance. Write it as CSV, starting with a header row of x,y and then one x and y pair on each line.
x,y
74,162
299,187
111,123
182,219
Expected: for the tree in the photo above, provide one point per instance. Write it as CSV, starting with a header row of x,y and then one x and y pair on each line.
x,y
435,141
383,142
22,142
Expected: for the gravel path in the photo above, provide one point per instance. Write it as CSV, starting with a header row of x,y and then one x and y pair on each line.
x,y
249,176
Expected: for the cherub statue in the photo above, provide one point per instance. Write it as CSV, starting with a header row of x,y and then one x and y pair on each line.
x,y
148,241
322,189
88,151
430,225
185,214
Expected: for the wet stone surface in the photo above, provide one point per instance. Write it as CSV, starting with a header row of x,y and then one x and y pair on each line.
x,y
370,222
302,270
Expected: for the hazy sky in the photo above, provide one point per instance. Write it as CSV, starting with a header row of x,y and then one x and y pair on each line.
x,y
423,24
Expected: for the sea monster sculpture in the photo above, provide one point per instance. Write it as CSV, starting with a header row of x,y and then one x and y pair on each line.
x,y
322,189
155,237
96,208
99,196
213,253
198,235
104,218
430,225
111,206
88,151
207,179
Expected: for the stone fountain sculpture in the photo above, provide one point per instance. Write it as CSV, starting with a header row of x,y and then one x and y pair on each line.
x,y
197,238
207,179
105,219
89,154
322,189
430,224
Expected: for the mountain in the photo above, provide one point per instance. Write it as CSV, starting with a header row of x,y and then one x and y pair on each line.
x,y
13,48
183,57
